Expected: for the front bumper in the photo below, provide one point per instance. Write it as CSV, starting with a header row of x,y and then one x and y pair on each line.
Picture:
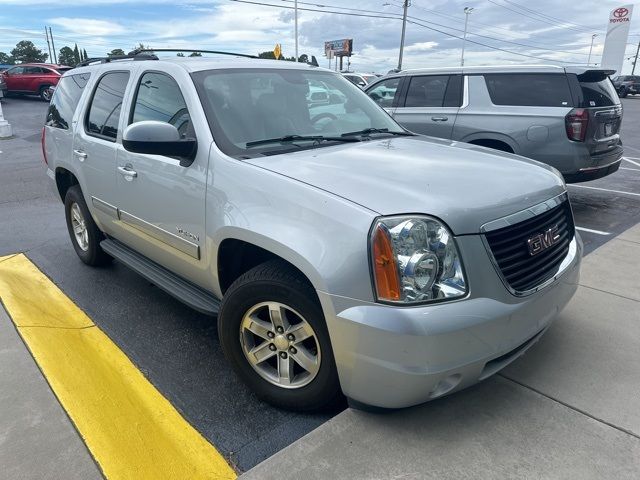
x,y
395,357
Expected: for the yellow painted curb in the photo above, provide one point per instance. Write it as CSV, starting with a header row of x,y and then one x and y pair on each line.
x,y
132,431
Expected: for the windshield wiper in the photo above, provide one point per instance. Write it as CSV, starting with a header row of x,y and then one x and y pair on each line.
x,y
299,138
368,131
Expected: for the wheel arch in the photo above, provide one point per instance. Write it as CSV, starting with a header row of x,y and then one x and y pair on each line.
x,y
495,141
240,251
65,179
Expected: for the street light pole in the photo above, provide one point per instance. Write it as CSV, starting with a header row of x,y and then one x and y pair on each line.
x,y
467,12
404,28
296,33
635,62
591,48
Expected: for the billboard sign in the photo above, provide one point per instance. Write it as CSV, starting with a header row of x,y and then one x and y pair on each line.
x,y
340,48
617,35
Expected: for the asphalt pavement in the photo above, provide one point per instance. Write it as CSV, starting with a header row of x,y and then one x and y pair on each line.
x,y
176,348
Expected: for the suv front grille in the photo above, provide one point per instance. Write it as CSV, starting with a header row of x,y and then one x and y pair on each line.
x,y
522,270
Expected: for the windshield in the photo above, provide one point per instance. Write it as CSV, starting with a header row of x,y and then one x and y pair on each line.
x,y
301,108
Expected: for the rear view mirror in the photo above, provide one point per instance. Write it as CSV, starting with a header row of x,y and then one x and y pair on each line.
x,y
158,138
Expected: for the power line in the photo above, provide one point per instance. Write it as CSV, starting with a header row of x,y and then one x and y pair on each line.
x,y
413,21
547,22
544,15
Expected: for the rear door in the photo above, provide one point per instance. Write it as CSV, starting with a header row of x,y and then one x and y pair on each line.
x,y
430,105
595,93
14,77
94,147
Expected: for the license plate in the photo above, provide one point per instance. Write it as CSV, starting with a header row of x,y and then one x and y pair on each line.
x,y
608,129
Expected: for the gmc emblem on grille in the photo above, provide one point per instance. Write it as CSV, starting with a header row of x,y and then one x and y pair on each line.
x,y
540,242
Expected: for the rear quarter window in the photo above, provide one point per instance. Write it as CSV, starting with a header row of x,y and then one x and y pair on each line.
x,y
65,100
529,89
596,90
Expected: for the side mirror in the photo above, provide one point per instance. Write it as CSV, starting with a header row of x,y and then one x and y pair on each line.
x,y
362,84
159,138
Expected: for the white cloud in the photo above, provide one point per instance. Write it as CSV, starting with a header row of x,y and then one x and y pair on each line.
x,y
88,26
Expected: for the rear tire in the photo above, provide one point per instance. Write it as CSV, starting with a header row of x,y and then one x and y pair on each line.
x,y
247,308
85,234
45,93
622,92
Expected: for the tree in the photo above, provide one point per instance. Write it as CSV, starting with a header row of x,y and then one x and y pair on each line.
x,y
66,57
6,59
179,54
268,54
304,58
76,54
195,54
27,52
115,52
84,54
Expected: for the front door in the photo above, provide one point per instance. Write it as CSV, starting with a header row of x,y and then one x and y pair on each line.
x,y
431,105
14,78
161,199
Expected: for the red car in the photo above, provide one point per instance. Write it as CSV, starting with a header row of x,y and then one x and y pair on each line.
x,y
33,79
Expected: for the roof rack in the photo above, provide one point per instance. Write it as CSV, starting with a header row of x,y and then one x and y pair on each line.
x,y
138,51
94,60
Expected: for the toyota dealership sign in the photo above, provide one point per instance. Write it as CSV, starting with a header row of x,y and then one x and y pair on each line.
x,y
617,36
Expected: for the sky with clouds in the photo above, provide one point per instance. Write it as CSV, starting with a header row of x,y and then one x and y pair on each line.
x,y
504,31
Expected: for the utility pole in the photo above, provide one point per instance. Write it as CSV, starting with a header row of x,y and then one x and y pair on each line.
x,y
405,5
296,8
591,48
53,46
46,34
635,62
467,12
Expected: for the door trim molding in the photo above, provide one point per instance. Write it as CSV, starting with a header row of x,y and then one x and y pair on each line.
x,y
105,207
179,243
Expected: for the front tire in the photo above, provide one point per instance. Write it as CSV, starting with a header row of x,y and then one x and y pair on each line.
x,y
622,92
85,234
45,93
273,332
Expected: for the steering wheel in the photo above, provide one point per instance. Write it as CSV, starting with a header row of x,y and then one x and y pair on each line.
x,y
321,116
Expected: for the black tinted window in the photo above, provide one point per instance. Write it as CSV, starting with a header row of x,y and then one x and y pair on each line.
x,y
65,100
427,91
33,70
16,71
104,112
384,92
598,92
159,98
530,89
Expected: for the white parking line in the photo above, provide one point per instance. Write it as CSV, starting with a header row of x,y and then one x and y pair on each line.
x,y
633,169
605,190
628,159
597,232
632,148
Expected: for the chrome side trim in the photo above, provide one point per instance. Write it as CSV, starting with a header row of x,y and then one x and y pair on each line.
x,y
525,214
104,207
179,243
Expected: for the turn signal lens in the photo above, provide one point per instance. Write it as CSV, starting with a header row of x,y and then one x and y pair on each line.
x,y
385,268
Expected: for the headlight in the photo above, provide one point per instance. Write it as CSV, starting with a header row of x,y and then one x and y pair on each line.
x,y
415,260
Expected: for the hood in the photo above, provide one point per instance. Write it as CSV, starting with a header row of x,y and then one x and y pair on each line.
x,y
464,185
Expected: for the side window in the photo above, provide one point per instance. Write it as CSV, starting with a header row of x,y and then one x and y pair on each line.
x,y
65,100
16,71
427,91
104,112
384,92
159,98
33,70
530,89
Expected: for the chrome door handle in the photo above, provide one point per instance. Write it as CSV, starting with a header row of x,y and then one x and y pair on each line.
x,y
82,156
439,119
128,173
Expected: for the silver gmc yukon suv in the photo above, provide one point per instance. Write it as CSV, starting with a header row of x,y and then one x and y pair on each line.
x,y
341,254
567,117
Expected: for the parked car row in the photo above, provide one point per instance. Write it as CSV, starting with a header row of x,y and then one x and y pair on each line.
x,y
32,79
341,253
627,85
566,117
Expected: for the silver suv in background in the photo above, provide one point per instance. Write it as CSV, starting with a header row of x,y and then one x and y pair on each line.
x,y
566,117
360,79
339,252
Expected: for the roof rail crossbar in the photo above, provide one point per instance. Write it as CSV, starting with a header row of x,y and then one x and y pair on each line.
x,y
94,60
154,50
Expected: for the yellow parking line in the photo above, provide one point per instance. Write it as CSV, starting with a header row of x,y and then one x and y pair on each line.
x,y
130,428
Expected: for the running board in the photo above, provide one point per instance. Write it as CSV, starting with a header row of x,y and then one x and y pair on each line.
x,y
176,286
